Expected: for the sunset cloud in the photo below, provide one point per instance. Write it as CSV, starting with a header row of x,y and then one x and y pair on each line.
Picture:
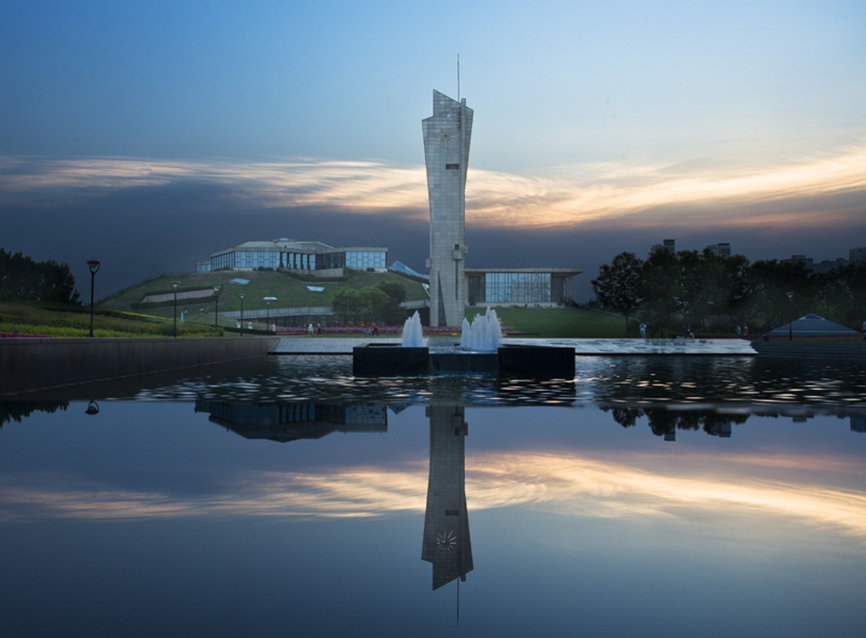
x,y
564,196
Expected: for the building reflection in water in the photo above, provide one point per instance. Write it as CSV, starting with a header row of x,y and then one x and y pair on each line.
x,y
285,422
446,522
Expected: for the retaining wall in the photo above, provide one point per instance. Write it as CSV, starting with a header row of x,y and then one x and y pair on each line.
x,y
33,364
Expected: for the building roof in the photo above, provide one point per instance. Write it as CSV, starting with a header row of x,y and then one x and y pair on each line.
x,y
553,271
812,326
291,245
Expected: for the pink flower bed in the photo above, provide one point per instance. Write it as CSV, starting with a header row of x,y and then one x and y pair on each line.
x,y
362,330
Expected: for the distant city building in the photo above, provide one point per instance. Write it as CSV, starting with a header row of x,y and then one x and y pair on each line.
x,y
667,244
798,259
720,250
823,266
312,256
857,255
829,264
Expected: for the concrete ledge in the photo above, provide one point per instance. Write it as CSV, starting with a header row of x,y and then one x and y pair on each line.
x,y
33,364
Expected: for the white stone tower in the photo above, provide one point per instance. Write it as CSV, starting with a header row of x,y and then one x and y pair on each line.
x,y
446,152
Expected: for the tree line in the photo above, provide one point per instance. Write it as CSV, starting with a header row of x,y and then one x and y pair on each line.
x,y
22,279
708,293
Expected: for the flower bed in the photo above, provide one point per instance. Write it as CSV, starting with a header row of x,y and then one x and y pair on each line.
x,y
383,330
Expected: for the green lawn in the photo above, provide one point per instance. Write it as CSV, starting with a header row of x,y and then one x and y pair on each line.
x,y
53,320
573,323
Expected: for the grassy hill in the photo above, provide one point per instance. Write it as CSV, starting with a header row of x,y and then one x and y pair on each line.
x,y
129,314
290,290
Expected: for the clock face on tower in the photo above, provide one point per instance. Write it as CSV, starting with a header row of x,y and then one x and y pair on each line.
x,y
446,541
447,138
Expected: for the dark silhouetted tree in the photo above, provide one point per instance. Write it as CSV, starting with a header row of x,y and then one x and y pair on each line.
x,y
619,285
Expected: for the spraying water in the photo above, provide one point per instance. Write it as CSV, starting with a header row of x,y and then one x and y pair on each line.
x,y
485,333
413,335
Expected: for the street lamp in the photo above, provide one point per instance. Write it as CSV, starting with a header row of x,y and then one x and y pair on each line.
x,y
268,301
94,268
216,309
174,286
242,295
790,296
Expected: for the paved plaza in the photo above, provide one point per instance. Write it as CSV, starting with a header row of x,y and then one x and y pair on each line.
x,y
310,345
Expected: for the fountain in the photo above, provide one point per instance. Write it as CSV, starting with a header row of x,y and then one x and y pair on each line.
x,y
484,335
413,335
480,351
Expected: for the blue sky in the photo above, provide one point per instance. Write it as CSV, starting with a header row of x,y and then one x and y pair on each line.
x,y
151,134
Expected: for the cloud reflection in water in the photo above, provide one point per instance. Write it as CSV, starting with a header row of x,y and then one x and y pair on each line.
x,y
565,483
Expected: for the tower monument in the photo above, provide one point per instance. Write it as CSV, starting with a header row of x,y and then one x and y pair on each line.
x,y
446,521
446,153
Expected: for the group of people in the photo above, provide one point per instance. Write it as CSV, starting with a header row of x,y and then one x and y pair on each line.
x,y
687,331
317,330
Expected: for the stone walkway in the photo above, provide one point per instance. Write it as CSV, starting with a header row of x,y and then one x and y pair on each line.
x,y
306,345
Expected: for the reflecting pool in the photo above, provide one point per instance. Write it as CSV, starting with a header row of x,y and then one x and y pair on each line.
x,y
644,497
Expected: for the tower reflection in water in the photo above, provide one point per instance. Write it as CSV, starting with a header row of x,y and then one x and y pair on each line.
x,y
446,522
446,542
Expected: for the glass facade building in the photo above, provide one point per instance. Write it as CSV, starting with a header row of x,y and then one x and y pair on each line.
x,y
512,286
294,255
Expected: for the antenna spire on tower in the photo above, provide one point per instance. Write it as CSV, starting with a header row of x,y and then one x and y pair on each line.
x,y
458,77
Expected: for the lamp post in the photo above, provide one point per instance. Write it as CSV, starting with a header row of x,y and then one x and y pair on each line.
x,y
174,286
268,301
790,296
94,268
242,295
216,308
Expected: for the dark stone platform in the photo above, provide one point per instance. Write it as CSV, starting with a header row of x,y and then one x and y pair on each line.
x,y
532,361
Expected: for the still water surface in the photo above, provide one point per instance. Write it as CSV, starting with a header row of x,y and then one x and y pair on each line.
x,y
645,497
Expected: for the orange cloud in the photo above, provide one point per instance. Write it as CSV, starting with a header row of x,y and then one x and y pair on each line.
x,y
562,196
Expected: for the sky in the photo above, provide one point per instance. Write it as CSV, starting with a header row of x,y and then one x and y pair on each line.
x,y
150,134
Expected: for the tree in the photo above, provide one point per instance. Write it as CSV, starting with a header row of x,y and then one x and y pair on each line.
x,y
372,303
396,292
366,304
619,285
346,304
663,291
22,279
